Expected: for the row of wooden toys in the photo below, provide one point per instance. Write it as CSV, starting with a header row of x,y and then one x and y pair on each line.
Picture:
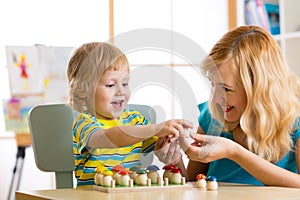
x,y
209,182
137,176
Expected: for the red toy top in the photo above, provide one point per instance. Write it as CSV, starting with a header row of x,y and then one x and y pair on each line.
x,y
118,168
176,170
169,167
200,176
124,172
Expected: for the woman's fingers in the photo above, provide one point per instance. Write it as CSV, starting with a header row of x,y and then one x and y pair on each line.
x,y
184,143
187,124
196,144
198,137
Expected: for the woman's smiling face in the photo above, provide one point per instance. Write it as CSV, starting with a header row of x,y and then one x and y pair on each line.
x,y
228,92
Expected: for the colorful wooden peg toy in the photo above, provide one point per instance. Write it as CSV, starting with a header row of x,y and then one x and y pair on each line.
x,y
212,183
201,181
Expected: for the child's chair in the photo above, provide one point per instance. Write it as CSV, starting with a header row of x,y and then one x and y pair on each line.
x,y
51,134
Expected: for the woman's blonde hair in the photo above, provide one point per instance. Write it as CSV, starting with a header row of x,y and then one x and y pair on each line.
x,y
85,68
272,90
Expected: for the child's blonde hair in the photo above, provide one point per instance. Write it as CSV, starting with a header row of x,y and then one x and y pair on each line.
x,y
86,66
272,91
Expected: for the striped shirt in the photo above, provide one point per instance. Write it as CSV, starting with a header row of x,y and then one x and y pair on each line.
x,y
86,161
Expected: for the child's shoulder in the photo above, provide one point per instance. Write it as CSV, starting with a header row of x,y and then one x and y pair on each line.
x,y
84,117
133,116
131,112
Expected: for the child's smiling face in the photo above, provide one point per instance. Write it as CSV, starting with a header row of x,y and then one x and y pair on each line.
x,y
112,94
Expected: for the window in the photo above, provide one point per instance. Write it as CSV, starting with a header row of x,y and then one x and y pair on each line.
x,y
71,23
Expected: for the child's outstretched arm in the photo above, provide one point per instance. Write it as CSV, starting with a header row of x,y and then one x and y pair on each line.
x,y
121,136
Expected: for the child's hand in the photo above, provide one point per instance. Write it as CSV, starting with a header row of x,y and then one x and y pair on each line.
x,y
167,152
172,128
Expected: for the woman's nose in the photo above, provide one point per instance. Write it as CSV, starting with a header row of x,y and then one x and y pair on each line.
x,y
218,97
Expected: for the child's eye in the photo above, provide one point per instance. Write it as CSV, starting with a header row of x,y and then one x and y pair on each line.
x,y
110,85
125,84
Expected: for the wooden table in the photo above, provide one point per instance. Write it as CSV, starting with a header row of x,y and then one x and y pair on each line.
x,y
225,192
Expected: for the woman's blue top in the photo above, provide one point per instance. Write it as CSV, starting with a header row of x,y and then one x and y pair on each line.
x,y
228,171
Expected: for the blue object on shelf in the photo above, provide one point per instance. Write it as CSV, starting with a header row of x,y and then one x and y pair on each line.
x,y
273,15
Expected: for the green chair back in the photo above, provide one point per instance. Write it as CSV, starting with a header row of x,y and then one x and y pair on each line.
x,y
51,134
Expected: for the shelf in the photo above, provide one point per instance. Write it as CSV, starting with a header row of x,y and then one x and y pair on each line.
x,y
289,37
293,35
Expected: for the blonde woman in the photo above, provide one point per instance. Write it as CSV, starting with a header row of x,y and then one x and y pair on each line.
x,y
249,129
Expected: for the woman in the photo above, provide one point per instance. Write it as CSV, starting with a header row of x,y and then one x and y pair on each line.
x,y
249,129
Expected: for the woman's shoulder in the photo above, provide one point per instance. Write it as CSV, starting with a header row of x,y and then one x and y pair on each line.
x,y
204,118
204,110
296,130
208,124
203,106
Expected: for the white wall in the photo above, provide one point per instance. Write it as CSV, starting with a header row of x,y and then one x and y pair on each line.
x,y
32,178
73,22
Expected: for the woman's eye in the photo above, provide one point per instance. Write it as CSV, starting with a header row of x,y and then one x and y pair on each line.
x,y
226,90
125,84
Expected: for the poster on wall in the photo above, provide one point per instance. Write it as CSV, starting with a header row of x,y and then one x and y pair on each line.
x,y
37,75
25,73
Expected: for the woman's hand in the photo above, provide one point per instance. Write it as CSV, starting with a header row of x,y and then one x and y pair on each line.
x,y
208,148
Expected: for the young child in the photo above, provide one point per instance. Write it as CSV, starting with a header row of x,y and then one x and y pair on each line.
x,y
105,133
249,129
